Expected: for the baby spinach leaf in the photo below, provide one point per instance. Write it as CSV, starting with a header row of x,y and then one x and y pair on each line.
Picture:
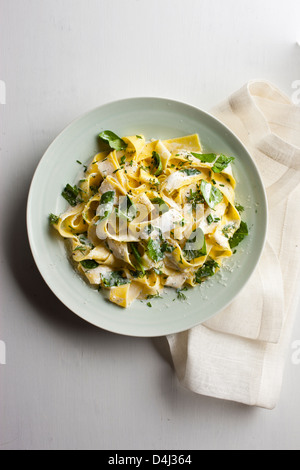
x,y
212,195
158,168
239,235
106,205
137,256
89,264
127,209
205,157
207,270
70,194
222,163
154,250
115,142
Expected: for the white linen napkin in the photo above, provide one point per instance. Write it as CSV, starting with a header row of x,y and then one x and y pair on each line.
x,y
239,354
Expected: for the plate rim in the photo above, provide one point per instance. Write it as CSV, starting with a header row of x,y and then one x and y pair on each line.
x,y
166,100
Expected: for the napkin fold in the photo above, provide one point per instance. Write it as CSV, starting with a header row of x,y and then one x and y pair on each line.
x,y
239,354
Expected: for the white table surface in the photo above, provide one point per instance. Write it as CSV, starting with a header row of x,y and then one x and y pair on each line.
x,y
67,384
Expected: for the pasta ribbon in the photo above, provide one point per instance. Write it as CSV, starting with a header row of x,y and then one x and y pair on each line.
x,y
149,215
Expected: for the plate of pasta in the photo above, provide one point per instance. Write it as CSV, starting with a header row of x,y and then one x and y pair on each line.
x,y
146,216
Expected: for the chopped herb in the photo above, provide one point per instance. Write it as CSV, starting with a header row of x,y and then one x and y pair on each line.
x,y
195,247
149,304
212,195
94,189
70,194
122,161
205,157
81,248
239,208
115,142
149,229
53,219
154,296
139,137
239,235
191,171
222,163
114,279
211,220
80,163
106,204
180,294
89,264
167,247
207,270
85,241
227,230
195,198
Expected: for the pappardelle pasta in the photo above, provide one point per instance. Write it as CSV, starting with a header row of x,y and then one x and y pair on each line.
x,y
151,214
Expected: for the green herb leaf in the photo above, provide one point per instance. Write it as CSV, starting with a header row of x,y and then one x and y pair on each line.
x,y
154,250
89,264
53,219
207,270
239,208
157,164
205,157
239,235
222,163
114,279
70,194
106,205
212,195
138,258
154,296
180,294
163,208
167,247
211,220
115,142
157,271
127,209
190,171
85,241
195,247
149,304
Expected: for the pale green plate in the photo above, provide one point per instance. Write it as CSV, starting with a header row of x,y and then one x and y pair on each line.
x,y
155,118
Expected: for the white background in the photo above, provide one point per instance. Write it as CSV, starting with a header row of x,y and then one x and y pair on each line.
x,y
66,384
